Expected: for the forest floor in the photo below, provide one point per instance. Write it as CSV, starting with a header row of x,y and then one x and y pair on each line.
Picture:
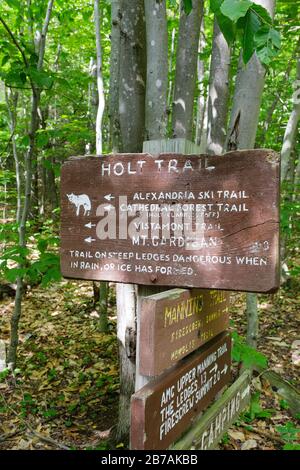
x,y
64,393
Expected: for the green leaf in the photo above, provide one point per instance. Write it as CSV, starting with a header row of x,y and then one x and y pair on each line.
x,y
275,37
227,27
252,25
40,78
13,3
187,6
215,5
262,13
291,447
241,352
23,77
42,139
235,9
267,43
12,274
5,59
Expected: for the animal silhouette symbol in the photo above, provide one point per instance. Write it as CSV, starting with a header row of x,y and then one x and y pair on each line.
x,y
80,200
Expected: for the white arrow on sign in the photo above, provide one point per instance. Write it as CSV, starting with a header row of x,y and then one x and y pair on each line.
x,y
90,240
214,369
246,391
90,225
109,197
224,370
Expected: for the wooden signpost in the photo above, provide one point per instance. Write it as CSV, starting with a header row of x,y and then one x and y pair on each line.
x,y
176,322
162,410
197,221
206,433
173,220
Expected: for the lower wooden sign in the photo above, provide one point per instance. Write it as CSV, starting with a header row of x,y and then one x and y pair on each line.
x,y
207,432
176,322
162,410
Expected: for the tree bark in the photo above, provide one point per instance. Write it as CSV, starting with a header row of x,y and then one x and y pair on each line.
x,y
131,115
186,71
132,75
157,69
114,76
201,102
218,93
170,86
241,134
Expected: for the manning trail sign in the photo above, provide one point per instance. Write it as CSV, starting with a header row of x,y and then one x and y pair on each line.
x,y
173,220
175,322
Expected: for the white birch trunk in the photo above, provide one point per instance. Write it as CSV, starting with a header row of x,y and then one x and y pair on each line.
x,y
244,116
100,86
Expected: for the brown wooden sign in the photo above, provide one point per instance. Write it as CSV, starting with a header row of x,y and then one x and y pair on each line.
x,y
208,431
176,322
162,410
173,220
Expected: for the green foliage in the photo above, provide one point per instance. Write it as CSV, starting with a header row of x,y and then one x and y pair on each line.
x,y
241,352
187,6
235,9
290,434
19,261
251,24
267,43
256,411
4,374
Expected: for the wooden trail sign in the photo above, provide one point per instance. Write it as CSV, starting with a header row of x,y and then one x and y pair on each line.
x,y
176,322
207,432
162,410
173,220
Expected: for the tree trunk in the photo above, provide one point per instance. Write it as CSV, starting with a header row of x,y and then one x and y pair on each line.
x,y
244,116
218,93
132,75
170,86
100,86
186,71
14,336
103,323
288,169
290,131
114,76
201,102
157,69
131,89
12,102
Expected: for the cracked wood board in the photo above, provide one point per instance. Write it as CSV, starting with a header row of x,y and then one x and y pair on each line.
x,y
173,220
176,322
165,408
